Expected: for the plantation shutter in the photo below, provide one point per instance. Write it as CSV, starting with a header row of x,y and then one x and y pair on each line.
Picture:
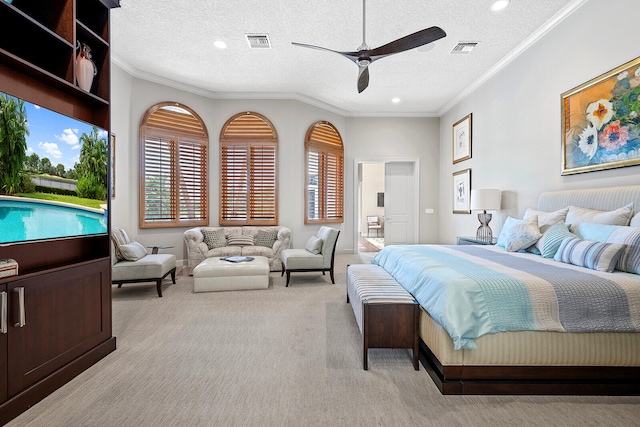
x,y
262,183
173,171
314,203
159,183
233,183
325,174
333,186
248,156
192,167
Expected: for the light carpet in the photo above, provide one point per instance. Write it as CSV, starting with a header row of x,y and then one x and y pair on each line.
x,y
277,357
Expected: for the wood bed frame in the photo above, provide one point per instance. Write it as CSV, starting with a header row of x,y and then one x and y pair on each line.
x,y
539,379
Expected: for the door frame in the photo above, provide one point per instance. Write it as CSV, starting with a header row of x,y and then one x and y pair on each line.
x,y
356,191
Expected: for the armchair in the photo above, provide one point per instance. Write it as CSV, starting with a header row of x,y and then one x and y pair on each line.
x,y
373,223
130,262
318,254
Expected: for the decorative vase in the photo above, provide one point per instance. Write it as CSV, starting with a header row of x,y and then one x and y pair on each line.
x,y
85,68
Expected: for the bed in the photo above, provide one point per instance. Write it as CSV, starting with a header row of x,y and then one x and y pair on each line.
x,y
498,321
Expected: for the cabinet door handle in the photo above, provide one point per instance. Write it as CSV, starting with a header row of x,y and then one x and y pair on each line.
x,y
3,313
20,302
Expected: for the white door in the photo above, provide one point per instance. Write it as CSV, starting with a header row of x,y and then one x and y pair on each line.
x,y
399,207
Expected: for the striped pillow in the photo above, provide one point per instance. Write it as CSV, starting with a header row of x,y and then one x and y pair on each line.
x,y
119,237
630,259
552,238
587,253
239,240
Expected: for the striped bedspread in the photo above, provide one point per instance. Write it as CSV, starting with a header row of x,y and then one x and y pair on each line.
x,y
475,290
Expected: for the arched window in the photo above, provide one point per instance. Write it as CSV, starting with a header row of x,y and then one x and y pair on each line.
x,y
248,160
173,167
324,155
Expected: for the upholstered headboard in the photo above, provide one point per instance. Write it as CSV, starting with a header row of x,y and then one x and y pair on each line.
x,y
604,199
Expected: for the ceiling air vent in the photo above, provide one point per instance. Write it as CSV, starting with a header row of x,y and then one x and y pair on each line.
x,y
258,41
463,48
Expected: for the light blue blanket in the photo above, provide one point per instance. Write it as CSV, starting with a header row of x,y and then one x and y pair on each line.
x,y
475,290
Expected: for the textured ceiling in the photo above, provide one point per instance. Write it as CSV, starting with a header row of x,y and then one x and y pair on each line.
x,y
171,41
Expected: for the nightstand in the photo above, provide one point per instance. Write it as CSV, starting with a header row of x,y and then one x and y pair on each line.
x,y
473,241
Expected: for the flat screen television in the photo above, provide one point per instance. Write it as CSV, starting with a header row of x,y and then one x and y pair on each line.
x,y
54,173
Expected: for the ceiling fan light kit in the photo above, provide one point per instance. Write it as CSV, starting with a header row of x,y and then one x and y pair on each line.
x,y
365,56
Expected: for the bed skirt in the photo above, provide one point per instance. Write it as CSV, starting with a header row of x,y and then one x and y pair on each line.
x,y
532,362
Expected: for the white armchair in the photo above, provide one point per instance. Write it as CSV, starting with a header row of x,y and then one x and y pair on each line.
x,y
130,262
318,254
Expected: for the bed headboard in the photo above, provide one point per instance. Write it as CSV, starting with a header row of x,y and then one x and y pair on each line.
x,y
604,199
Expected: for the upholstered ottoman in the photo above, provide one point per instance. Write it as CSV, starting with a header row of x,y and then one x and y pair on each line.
x,y
215,274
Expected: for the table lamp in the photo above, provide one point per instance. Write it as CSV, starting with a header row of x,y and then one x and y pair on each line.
x,y
485,199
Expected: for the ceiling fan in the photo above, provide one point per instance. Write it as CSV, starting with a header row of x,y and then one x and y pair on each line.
x,y
364,56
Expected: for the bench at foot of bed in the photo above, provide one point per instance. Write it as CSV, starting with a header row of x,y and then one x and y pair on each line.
x,y
386,313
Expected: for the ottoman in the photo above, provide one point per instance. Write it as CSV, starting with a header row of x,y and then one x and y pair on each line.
x,y
215,274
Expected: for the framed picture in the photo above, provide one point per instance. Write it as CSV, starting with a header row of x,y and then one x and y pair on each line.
x,y
462,139
462,192
601,122
112,165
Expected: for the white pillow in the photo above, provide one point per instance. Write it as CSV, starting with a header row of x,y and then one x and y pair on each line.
x,y
314,245
133,251
522,234
239,240
620,216
547,219
630,259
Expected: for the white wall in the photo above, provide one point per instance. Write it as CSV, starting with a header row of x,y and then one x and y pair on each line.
x,y
412,137
517,115
372,184
379,138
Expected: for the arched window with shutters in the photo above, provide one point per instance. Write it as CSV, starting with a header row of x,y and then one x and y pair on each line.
x,y
173,167
248,164
324,185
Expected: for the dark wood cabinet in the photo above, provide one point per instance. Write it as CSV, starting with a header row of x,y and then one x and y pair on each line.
x,y
67,312
64,284
4,306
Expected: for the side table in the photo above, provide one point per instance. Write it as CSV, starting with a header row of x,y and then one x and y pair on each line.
x,y
154,249
467,240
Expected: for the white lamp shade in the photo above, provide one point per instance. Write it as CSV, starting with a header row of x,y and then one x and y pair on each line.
x,y
485,199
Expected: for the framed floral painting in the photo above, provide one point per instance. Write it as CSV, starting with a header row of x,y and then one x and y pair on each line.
x,y
601,122
462,192
461,141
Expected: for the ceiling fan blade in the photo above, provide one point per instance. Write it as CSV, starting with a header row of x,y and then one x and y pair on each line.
x,y
363,78
352,56
411,41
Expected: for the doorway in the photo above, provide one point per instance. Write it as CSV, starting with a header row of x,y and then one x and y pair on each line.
x,y
387,189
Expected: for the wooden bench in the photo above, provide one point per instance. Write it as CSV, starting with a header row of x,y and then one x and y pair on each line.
x,y
386,313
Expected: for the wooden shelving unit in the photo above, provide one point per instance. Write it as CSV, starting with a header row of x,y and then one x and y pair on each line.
x,y
66,283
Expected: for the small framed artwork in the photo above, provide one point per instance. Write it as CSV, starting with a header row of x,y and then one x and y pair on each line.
x,y
462,139
112,165
601,122
462,192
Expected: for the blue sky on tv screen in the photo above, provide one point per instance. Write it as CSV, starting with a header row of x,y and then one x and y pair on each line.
x,y
55,136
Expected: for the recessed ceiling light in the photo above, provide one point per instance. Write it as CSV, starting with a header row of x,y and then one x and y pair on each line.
x,y
499,5
395,100
220,44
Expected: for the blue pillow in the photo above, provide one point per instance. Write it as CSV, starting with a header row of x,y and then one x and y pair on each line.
x,y
552,238
595,232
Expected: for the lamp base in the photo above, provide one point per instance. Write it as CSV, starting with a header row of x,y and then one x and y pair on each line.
x,y
484,232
